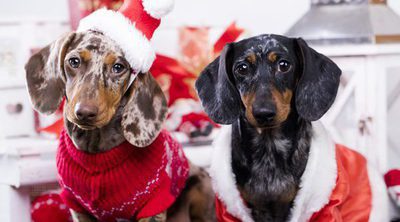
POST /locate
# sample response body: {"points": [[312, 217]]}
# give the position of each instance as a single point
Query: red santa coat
{"points": [[337, 185], [124, 183]]}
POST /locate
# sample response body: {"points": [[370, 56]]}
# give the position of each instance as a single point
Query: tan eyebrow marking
{"points": [[272, 56], [85, 55], [110, 59], [251, 58]]}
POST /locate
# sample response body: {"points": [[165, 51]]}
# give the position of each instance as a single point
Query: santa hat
{"points": [[132, 27]]}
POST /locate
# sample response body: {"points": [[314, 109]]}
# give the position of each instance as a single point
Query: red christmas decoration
{"points": [[177, 77], [392, 180], [50, 207], [81, 8]]}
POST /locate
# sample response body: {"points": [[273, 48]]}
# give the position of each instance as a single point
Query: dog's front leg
{"points": [[162, 217], [78, 217]]}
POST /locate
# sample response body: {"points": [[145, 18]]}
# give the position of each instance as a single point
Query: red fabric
{"points": [[125, 182], [197, 118], [222, 214], [134, 11], [351, 199], [49, 207]]}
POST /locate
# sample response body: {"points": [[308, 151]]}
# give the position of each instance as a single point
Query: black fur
{"points": [[270, 107], [215, 84], [268, 172], [318, 85]]}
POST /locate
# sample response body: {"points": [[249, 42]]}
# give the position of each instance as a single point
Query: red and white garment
{"points": [[337, 185]]}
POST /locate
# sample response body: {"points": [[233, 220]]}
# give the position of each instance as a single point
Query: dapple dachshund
{"points": [[103, 110], [271, 163]]}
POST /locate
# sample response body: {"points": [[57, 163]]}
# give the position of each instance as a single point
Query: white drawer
{"points": [[16, 113]]}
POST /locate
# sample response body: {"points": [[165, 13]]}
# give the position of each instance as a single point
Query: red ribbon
{"points": [[164, 64], [230, 35]]}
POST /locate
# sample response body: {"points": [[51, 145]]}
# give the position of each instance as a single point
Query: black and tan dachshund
{"points": [[269, 88], [271, 162]]}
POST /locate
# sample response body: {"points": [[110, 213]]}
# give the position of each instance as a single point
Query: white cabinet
{"points": [[16, 112], [18, 40], [366, 113]]}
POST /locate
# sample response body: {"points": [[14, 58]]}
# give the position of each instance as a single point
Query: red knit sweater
{"points": [[125, 182]]}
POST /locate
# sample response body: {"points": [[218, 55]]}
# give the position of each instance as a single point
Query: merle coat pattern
{"points": [[102, 109]]}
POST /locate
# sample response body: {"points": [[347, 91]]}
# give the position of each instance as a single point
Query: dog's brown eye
{"points": [[284, 66], [74, 62], [242, 69], [118, 68]]}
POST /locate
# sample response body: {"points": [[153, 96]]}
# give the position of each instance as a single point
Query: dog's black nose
{"points": [[86, 113], [264, 115]]}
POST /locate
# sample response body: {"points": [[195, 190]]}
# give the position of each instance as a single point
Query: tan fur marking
{"points": [[107, 107], [85, 55], [282, 102], [73, 97], [252, 58], [248, 101], [272, 56], [110, 59]]}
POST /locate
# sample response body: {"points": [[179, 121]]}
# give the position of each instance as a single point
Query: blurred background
{"points": [[361, 36]]}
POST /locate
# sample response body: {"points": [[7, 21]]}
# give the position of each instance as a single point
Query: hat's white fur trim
{"points": [[137, 48], [158, 8]]}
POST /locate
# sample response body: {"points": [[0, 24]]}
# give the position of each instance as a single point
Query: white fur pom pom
{"points": [[158, 8]]}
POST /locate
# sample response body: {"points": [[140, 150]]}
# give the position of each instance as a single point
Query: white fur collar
{"points": [[223, 179], [317, 182]]}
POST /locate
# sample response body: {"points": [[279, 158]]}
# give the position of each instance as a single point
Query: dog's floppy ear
{"points": [[318, 83], [45, 75], [145, 111], [216, 91]]}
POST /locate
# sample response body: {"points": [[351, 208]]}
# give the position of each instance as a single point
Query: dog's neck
{"points": [[268, 165], [100, 139]]}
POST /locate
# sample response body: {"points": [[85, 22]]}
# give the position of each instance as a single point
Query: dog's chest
{"points": [[264, 172]]}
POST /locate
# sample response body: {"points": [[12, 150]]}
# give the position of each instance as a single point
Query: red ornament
{"points": [[392, 180], [50, 207]]}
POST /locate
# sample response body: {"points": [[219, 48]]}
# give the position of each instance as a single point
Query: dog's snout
{"points": [[85, 112], [264, 115]]}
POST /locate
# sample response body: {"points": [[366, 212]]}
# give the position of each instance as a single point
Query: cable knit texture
{"points": [[125, 182]]}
